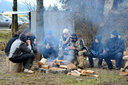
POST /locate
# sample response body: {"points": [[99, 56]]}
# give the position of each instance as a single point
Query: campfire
{"points": [[62, 66]]}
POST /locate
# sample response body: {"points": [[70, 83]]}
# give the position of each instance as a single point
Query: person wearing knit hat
{"points": [[96, 51], [114, 49], [20, 52], [78, 51], [64, 43], [50, 46]]}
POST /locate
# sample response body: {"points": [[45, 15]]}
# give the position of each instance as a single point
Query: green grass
{"points": [[5, 35]]}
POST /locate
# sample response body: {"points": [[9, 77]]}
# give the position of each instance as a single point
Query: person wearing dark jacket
{"points": [[8, 46], [114, 49], [96, 51], [20, 52], [32, 38]]}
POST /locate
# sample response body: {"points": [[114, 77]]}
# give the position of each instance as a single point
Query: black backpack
{"points": [[8, 46]]}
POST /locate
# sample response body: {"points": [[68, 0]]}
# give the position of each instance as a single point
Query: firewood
{"points": [[69, 73], [123, 73], [84, 73], [77, 72], [63, 66], [42, 62], [73, 73], [96, 76], [90, 71], [45, 66]]}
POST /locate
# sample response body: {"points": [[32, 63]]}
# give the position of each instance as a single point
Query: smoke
{"points": [[87, 18]]}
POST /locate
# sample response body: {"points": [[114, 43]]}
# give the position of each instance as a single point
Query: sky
{"points": [[46, 2]]}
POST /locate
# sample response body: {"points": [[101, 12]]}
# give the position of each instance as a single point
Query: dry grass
{"points": [[106, 77]]}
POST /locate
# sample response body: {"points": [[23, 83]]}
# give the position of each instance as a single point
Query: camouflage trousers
{"points": [[79, 59]]}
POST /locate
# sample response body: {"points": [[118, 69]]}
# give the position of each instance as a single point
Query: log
{"points": [[96, 76], [63, 66], [73, 73], [42, 62], [123, 74], [45, 66], [77, 72], [84, 73], [90, 71], [13, 67]]}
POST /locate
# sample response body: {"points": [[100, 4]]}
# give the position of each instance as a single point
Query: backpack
{"points": [[8, 46]]}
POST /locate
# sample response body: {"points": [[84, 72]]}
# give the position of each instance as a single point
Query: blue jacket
{"points": [[96, 48], [114, 45], [34, 45], [53, 42]]}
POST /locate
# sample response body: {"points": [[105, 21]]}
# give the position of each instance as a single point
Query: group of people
{"points": [[21, 49], [72, 48]]}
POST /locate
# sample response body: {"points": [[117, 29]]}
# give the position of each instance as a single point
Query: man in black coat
{"points": [[20, 52], [8, 46], [96, 51], [114, 49]]}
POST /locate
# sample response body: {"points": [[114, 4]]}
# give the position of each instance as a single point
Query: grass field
{"points": [[106, 77]]}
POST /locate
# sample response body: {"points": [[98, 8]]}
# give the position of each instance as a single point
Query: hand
{"points": [[28, 42], [71, 47], [48, 46]]}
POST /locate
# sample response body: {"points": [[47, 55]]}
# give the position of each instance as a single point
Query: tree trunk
{"points": [[40, 24], [40, 20], [14, 19]]}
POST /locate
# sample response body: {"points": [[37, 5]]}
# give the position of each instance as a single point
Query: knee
{"points": [[119, 55], [32, 56]]}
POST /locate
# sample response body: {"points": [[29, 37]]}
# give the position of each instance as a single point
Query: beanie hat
{"points": [[115, 33], [23, 37]]}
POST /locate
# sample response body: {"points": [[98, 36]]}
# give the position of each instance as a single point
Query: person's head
{"points": [[73, 38], [27, 32], [23, 37], [49, 34], [114, 34], [19, 32], [65, 32], [98, 38]]}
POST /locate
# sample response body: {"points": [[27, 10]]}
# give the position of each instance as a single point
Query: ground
{"points": [[106, 77]]}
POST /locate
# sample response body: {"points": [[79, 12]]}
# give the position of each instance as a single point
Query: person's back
{"points": [[8, 46], [20, 52], [15, 45]]}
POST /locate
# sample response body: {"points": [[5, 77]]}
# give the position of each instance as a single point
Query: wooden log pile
{"points": [[58, 66]]}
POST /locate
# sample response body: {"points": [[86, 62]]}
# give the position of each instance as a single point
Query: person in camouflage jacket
{"points": [[78, 51]]}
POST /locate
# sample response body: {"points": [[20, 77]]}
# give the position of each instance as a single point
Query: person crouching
{"points": [[96, 51], [20, 52], [78, 51]]}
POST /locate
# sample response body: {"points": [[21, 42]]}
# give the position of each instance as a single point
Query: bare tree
{"points": [[40, 19], [14, 18], [31, 5]]}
